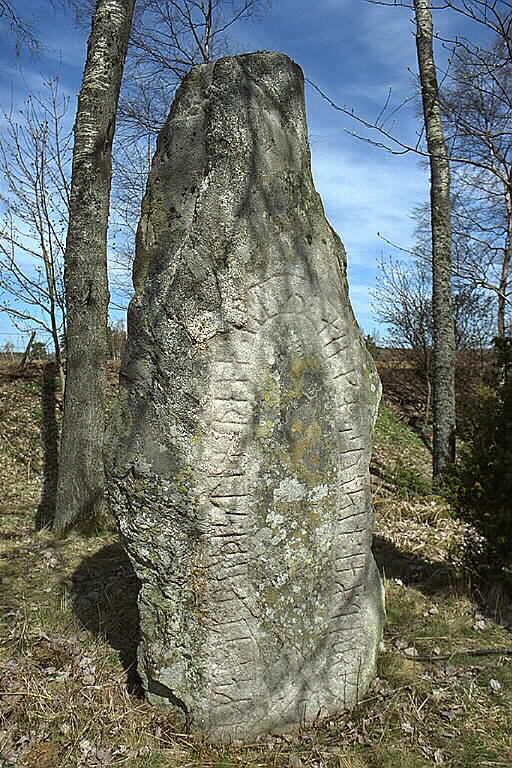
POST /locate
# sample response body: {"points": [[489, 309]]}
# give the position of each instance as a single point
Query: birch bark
{"points": [[440, 205], [503, 299], [80, 488]]}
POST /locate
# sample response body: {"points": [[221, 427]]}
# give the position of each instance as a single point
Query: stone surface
{"points": [[241, 479]]}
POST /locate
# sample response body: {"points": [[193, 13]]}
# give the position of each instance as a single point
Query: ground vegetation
{"points": [[69, 693]]}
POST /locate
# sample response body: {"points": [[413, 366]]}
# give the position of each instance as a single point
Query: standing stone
{"points": [[241, 480]]}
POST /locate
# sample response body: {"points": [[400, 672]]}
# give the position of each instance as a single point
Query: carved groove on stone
{"points": [[250, 401]]}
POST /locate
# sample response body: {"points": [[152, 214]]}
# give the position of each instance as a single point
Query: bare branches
{"points": [[395, 145], [392, 143], [402, 301], [168, 38], [493, 14], [20, 27], [477, 107], [34, 162], [475, 97], [496, 15]]}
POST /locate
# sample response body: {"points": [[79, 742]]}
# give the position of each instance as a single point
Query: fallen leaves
{"points": [[43, 754]]}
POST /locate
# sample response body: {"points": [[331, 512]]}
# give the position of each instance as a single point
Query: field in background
{"points": [[69, 693]]}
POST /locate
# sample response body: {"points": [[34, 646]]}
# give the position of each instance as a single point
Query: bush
{"points": [[482, 480]]}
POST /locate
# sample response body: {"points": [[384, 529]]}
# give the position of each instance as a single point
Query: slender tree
{"points": [[80, 489], [440, 208], [477, 107], [494, 15], [35, 155]]}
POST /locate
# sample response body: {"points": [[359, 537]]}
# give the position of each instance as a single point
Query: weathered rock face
{"points": [[241, 480]]}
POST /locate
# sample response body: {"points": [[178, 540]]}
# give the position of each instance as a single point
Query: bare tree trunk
{"points": [[49, 266], [80, 489], [505, 266], [26, 354], [502, 287], [440, 204], [428, 373], [427, 404], [207, 32]]}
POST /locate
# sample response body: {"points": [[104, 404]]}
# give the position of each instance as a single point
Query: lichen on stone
{"points": [[240, 473]]}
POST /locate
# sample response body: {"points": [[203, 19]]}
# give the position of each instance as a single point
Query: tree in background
{"points": [[477, 110], [116, 340], [39, 351], [35, 158], [131, 164], [80, 488], [403, 301], [8, 350], [440, 208]]}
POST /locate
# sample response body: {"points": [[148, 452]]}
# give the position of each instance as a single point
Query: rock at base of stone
{"points": [[240, 478]]}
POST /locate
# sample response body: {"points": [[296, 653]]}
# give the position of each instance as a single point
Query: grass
{"points": [[69, 695], [401, 459]]}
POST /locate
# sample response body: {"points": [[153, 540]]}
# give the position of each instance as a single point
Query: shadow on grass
{"points": [[50, 438], [414, 571], [105, 590]]}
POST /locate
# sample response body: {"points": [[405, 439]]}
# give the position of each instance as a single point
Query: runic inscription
{"points": [[240, 479]]}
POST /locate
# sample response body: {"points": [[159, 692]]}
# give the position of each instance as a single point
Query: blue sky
{"points": [[356, 52]]}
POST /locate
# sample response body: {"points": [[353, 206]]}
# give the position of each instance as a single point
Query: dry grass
{"points": [[69, 696]]}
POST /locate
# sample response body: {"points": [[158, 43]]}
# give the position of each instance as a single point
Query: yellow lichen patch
{"points": [[272, 394], [263, 430], [296, 372], [302, 453], [311, 434], [181, 479], [297, 368]]}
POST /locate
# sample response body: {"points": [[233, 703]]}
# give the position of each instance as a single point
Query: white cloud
{"points": [[363, 198]]}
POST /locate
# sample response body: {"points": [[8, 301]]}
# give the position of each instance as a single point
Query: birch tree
{"points": [[440, 209], [80, 488]]}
